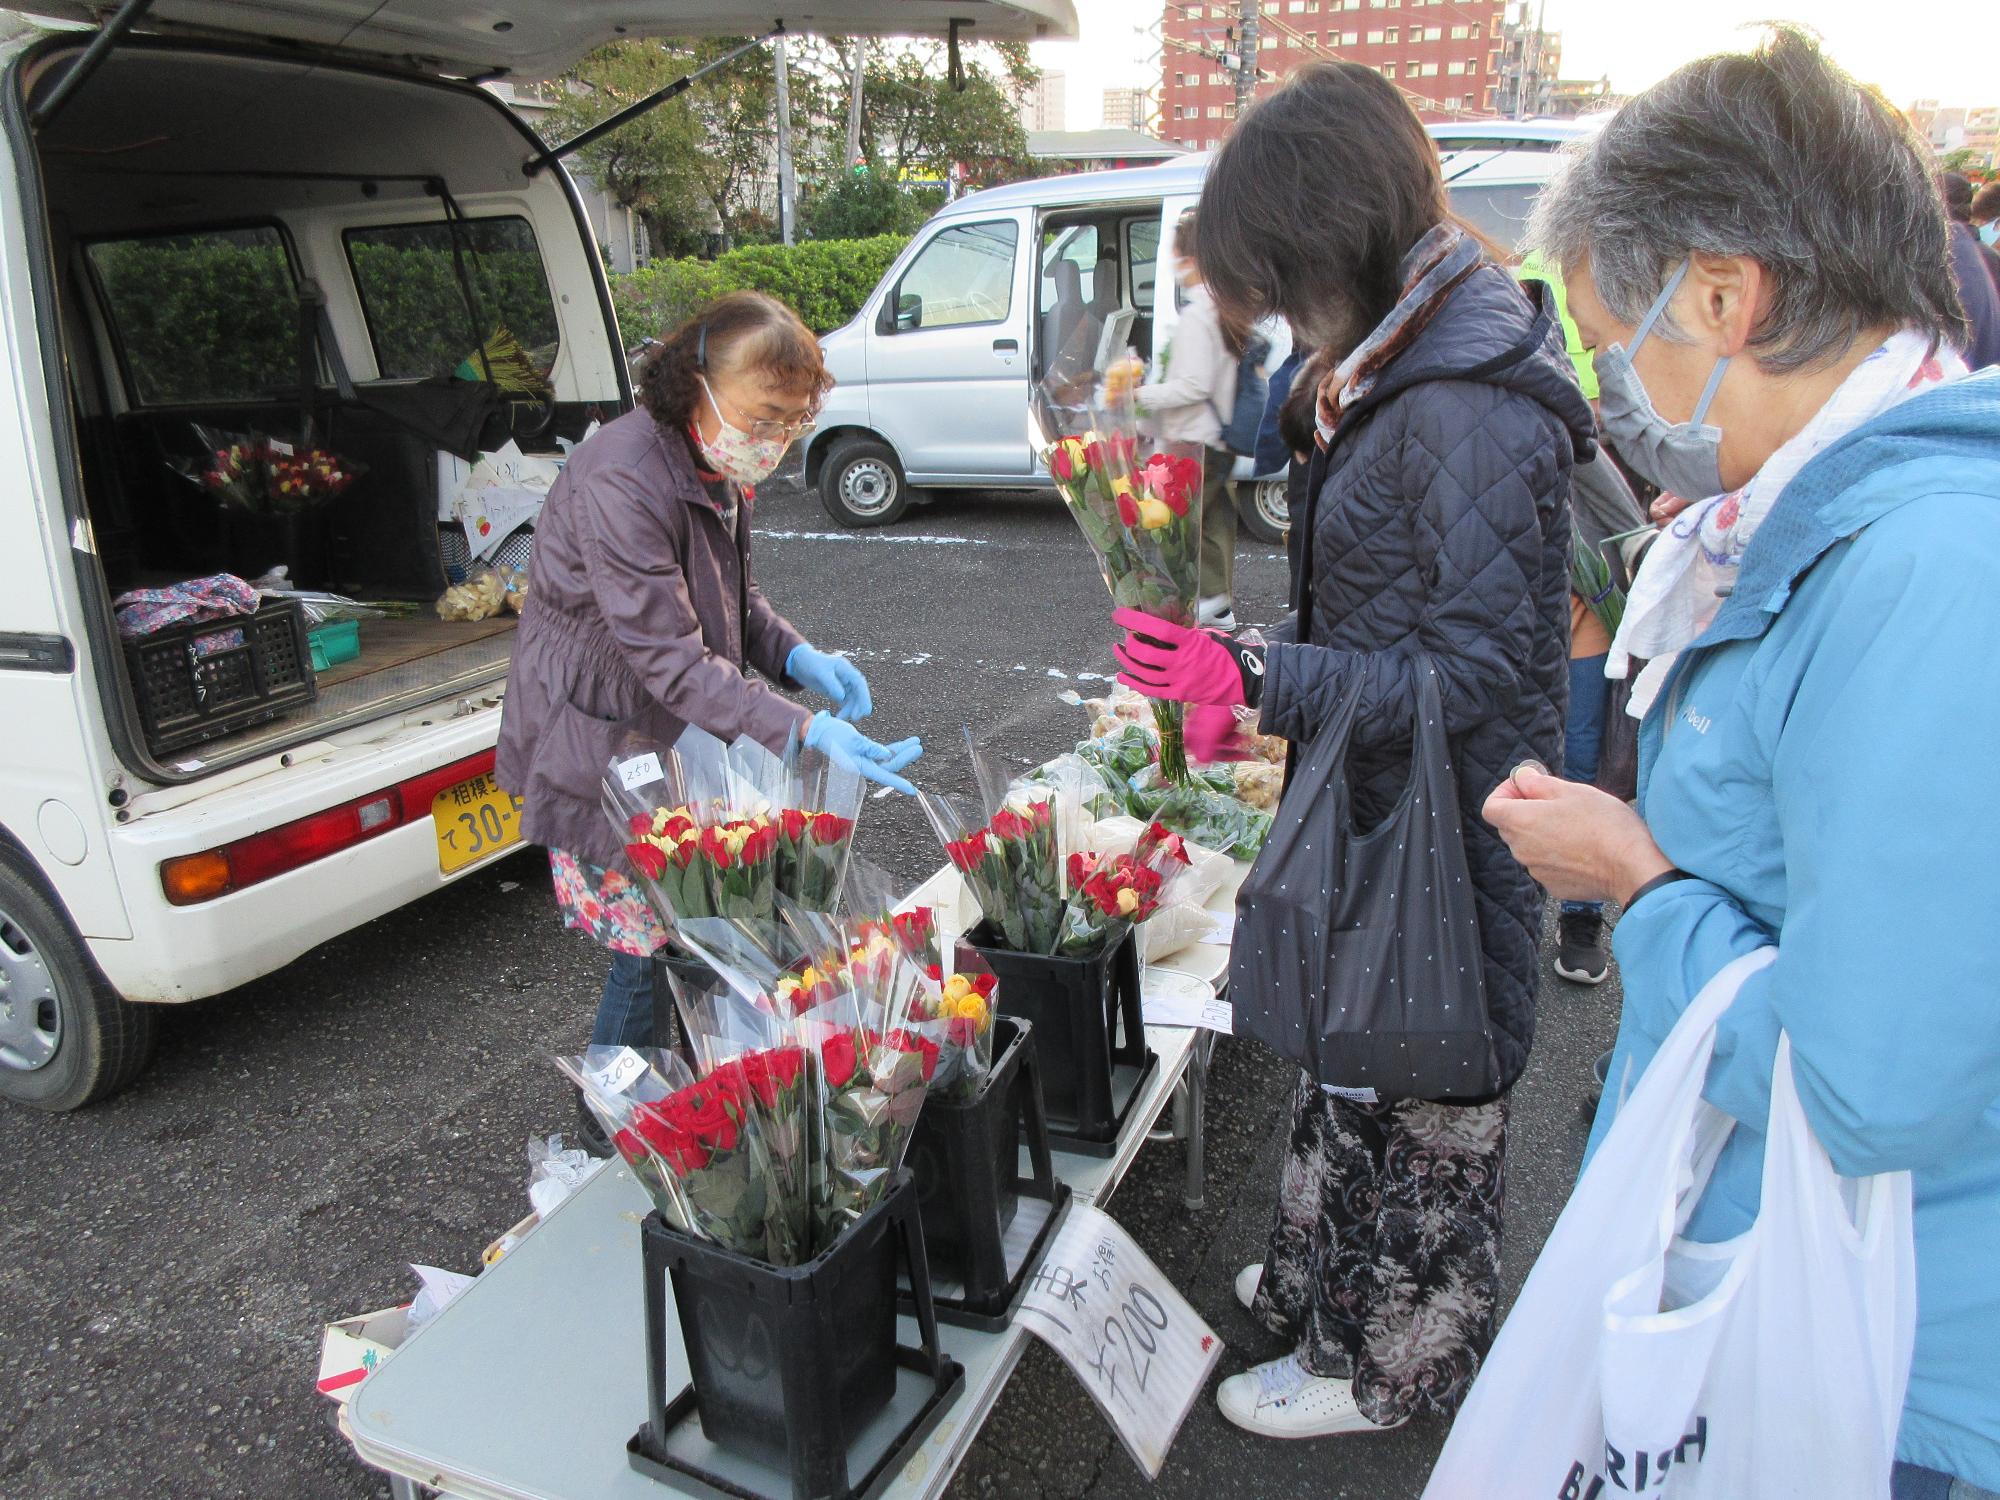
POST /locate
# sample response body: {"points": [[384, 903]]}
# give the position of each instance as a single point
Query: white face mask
{"points": [[734, 453]]}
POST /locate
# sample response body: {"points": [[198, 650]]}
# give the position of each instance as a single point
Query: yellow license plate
{"points": [[474, 819]]}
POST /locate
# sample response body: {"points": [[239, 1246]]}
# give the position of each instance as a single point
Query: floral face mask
{"points": [[746, 457]]}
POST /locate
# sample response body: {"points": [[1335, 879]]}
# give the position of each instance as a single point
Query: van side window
{"points": [[1500, 212], [207, 316], [416, 309], [965, 275], [1142, 254]]}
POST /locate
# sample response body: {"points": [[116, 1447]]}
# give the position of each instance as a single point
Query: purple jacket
{"points": [[641, 619]]}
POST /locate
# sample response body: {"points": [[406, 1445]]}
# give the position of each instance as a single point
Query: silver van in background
{"points": [[935, 370]]}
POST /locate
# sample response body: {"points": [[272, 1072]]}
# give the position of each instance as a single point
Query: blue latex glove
{"points": [[834, 678], [844, 745]]}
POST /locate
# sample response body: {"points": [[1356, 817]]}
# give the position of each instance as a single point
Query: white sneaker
{"points": [[1247, 1281], [1282, 1400], [1216, 613]]}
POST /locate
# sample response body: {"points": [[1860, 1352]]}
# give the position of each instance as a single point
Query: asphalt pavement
{"points": [[167, 1259]]}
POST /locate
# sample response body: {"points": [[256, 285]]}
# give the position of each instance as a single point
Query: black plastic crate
{"points": [[674, 971], [966, 1159], [203, 680], [1090, 1033], [791, 1365]]}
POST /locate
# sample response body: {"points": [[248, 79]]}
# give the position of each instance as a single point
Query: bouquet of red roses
{"points": [[848, 1001], [1112, 893], [1012, 863], [308, 477], [722, 1154], [716, 830], [1138, 503]]}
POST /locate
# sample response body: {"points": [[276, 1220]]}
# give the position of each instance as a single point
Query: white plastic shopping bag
{"points": [[1638, 1363]]}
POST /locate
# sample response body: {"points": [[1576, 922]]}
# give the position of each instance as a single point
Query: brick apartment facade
{"points": [[1445, 54]]}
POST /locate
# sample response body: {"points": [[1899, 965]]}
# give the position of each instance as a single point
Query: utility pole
{"points": [[788, 187], [854, 103], [1246, 60]]}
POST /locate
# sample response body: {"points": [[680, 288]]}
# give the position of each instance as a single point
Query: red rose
{"points": [[649, 859], [916, 1046], [836, 1056], [1094, 453], [786, 1064], [794, 820], [715, 849], [1128, 510], [1081, 867], [983, 985], [913, 926], [761, 845], [961, 1032], [969, 852], [652, 1131], [1124, 447], [829, 829], [1009, 825], [640, 826], [677, 827], [707, 1110], [934, 973], [683, 854]]}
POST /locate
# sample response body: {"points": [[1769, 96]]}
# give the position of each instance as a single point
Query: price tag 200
{"points": [[1140, 1350], [620, 1073]]}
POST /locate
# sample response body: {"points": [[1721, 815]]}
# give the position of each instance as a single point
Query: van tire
{"points": [[1261, 506], [100, 1042], [861, 483]]}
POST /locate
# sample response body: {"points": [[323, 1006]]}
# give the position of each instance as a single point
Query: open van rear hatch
{"points": [[540, 38]]}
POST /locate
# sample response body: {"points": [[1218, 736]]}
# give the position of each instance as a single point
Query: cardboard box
{"points": [[350, 1350]]}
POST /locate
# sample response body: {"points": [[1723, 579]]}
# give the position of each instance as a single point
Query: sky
{"points": [[1949, 50]]}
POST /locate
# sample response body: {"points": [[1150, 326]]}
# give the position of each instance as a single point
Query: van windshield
{"points": [[206, 316]]}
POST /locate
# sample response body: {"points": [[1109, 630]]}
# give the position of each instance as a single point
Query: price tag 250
{"points": [[1140, 1350]]}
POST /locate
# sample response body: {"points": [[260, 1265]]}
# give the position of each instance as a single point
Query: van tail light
{"points": [[190, 879]]}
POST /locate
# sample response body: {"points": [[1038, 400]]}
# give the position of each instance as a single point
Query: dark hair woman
{"points": [[1435, 541], [644, 617]]}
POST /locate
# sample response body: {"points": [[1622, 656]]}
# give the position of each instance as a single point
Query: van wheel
{"points": [[66, 1040], [1264, 510], [862, 484]]}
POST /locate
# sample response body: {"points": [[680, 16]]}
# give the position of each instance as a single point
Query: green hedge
{"points": [[825, 281]]}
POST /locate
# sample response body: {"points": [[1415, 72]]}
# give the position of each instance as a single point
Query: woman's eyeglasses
{"points": [[763, 429]]}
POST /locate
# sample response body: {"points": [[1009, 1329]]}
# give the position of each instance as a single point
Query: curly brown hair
{"points": [[739, 332]]}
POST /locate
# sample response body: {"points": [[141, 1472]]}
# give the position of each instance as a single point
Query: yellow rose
{"points": [[1153, 514], [971, 1006], [957, 988], [1121, 485], [1128, 902]]}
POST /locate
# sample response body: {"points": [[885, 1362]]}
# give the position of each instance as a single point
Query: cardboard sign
{"points": [[1139, 1349]]}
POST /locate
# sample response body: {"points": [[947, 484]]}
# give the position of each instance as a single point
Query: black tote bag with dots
{"points": [[1357, 954]]}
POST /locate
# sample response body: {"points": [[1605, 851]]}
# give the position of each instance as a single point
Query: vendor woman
{"points": [[644, 618]]}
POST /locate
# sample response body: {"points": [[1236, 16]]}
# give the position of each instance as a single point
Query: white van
{"points": [[934, 372], [263, 214]]}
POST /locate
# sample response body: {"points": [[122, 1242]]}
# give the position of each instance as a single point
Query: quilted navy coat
{"points": [[1437, 531]]}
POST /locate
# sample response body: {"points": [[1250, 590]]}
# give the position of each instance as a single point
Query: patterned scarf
{"points": [[1433, 267], [1679, 586]]}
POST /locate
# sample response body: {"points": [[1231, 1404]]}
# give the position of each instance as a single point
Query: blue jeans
{"points": [[1912, 1483], [1589, 698], [625, 1014]]}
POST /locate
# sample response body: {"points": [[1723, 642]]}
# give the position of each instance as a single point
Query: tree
{"points": [[686, 167], [916, 124]]}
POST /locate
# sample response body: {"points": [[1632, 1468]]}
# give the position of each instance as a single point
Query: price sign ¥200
{"points": [[1140, 1350]]}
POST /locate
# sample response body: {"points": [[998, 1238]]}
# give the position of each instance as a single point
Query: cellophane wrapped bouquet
{"points": [[1020, 849], [720, 1150], [849, 1007], [1137, 501], [955, 1011], [715, 830]]}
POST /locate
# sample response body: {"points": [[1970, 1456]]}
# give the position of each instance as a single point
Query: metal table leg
{"points": [[1193, 1194]]}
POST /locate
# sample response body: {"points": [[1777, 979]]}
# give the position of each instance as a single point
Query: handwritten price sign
{"points": [[1139, 1349]]}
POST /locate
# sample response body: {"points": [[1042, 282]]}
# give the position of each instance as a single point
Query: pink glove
{"points": [[1163, 660], [1213, 734]]}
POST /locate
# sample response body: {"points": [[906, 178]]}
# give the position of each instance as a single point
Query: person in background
{"points": [[1818, 769], [1581, 954], [1276, 449], [645, 619], [1986, 213], [1978, 287], [1186, 398], [1437, 542]]}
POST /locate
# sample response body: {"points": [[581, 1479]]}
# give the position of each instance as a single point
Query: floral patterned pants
{"points": [[1384, 1258]]}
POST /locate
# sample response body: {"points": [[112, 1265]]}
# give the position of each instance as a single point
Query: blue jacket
{"points": [[1822, 760]]}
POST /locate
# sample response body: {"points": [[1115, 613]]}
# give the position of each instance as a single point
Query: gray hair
{"points": [[1776, 155]]}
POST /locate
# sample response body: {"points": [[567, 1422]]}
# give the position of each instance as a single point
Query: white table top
{"points": [[529, 1384]]}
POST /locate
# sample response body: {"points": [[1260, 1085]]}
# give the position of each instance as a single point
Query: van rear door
{"points": [[539, 41]]}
